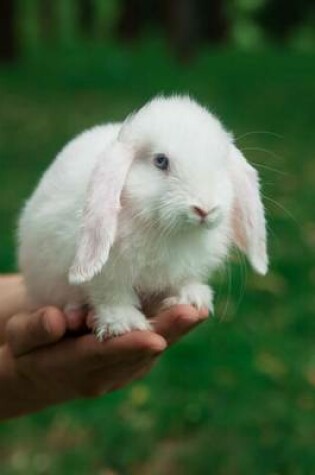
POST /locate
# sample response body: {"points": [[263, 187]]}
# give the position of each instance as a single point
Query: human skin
{"points": [[47, 357]]}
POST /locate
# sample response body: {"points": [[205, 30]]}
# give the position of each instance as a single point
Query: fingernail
{"points": [[194, 321], [202, 318], [73, 317], [204, 313]]}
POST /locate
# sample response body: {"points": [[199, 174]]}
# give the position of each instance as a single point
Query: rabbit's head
{"points": [[173, 165]]}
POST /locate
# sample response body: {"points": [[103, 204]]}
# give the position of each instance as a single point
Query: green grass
{"points": [[236, 396]]}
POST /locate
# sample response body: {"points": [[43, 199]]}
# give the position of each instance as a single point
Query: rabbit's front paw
{"points": [[195, 294], [117, 320]]}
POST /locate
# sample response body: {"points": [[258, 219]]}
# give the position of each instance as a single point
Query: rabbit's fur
{"points": [[106, 226]]}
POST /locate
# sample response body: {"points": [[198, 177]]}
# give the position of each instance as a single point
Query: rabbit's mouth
{"points": [[214, 220], [203, 218], [213, 223]]}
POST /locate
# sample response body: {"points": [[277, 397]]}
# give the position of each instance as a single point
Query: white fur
{"points": [[105, 226]]}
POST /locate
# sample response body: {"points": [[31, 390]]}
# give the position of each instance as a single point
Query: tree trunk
{"points": [[8, 42], [131, 20], [182, 24], [86, 17], [215, 25], [47, 15]]}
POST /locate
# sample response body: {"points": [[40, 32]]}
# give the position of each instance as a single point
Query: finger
{"points": [[114, 362], [137, 373], [27, 331], [120, 376], [133, 346], [76, 317], [177, 321]]}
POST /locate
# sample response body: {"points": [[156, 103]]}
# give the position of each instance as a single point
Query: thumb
{"points": [[27, 331]]}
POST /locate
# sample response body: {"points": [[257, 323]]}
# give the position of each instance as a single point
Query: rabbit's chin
{"points": [[205, 224], [186, 224], [200, 226]]}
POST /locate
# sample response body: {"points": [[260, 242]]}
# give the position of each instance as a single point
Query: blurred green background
{"points": [[237, 396]]}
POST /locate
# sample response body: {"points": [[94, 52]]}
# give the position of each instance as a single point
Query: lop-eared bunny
{"points": [[146, 208]]}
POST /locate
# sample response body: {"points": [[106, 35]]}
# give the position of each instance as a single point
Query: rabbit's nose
{"points": [[201, 212]]}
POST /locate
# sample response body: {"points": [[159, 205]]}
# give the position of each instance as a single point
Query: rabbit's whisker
{"points": [[259, 132]]}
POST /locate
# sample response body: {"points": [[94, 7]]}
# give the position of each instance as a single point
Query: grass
{"points": [[236, 396]]}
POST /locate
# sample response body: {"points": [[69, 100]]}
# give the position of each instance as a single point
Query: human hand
{"points": [[40, 365]]}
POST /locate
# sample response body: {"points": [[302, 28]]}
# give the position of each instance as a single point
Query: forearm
{"points": [[13, 299]]}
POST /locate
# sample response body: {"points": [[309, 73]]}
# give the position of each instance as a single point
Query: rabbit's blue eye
{"points": [[161, 161]]}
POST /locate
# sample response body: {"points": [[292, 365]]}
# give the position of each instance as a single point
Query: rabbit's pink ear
{"points": [[248, 220], [99, 220]]}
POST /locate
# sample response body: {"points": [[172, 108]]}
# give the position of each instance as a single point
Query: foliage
{"points": [[251, 24]]}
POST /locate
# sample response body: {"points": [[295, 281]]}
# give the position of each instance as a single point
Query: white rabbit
{"points": [[147, 207]]}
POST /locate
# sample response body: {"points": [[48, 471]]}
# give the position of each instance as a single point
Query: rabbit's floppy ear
{"points": [[99, 220], [248, 220]]}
